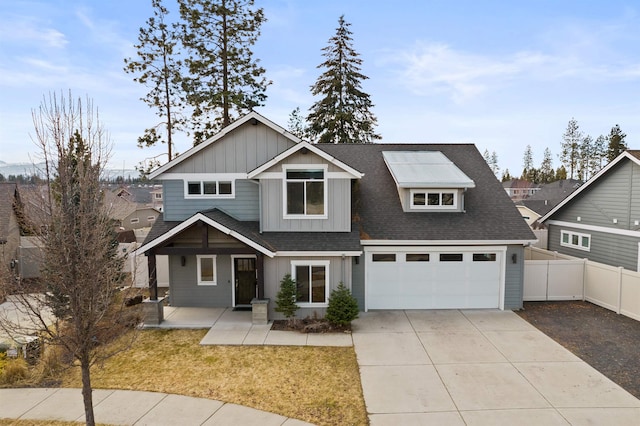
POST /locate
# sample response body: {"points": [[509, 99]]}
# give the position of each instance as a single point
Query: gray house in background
{"points": [[600, 221], [404, 226]]}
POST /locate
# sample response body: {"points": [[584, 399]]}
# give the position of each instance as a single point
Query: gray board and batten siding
{"points": [[186, 292], [615, 195], [240, 151], [338, 199]]}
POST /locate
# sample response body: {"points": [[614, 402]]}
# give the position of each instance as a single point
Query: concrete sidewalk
{"points": [[121, 407], [478, 367]]}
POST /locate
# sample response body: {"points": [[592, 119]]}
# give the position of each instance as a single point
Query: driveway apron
{"points": [[478, 367]]}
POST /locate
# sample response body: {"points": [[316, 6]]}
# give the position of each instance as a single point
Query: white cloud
{"points": [[23, 30]]}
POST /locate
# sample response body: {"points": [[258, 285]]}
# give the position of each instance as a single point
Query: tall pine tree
{"points": [[570, 154], [617, 145], [224, 76], [343, 115], [159, 68]]}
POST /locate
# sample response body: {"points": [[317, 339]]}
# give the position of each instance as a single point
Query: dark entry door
{"points": [[245, 275]]}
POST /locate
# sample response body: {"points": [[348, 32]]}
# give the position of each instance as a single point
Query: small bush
{"points": [[343, 307], [14, 371], [286, 298]]}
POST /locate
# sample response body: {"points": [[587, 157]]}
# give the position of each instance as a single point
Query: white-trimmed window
{"points": [[207, 270], [209, 188], [434, 199], [151, 218], [305, 191], [158, 195], [135, 220], [312, 281], [575, 240]]}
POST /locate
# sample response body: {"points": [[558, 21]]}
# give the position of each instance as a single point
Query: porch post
{"points": [[153, 278], [260, 274]]}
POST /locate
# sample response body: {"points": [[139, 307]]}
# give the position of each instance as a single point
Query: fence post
{"points": [[619, 307], [584, 278]]}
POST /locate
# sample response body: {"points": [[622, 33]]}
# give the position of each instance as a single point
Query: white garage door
{"points": [[434, 279]]}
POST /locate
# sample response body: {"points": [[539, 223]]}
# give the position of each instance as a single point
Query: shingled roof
{"points": [[490, 214], [272, 241]]}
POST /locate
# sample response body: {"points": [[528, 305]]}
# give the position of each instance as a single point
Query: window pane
{"points": [[384, 257], [585, 241], [193, 188], [209, 187], [484, 257], [295, 197], [565, 238], [315, 197], [419, 199], [318, 284], [305, 174], [206, 269], [433, 199], [302, 282], [451, 257], [417, 257], [574, 240], [447, 199], [224, 187]]}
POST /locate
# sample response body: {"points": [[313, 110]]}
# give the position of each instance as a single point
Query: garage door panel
{"points": [[433, 284]]}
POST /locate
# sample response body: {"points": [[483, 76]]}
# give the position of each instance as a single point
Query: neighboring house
{"points": [[545, 199], [519, 189], [404, 226], [157, 198], [600, 221], [129, 215]]}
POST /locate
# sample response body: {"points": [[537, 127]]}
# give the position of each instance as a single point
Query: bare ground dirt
{"points": [[607, 341]]}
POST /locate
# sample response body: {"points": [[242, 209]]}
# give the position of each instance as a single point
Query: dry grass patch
{"points": [[317, 384]]}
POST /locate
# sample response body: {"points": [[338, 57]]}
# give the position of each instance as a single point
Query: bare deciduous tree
{"points": [[81, 309]]}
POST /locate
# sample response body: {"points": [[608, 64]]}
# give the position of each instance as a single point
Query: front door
{"points": [[244, 269]]}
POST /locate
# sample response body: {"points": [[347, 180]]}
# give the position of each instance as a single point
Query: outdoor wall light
{"points": [[514, 258], [183, 260]]}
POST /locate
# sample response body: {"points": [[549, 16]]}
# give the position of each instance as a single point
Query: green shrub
{"points": [[286, 298], [343, 307]]}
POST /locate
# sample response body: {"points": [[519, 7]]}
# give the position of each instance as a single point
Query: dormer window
{"points": [[305, 194], [433, 199]]}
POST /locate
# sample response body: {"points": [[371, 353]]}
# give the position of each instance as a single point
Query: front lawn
{"points": [[320, 385]]}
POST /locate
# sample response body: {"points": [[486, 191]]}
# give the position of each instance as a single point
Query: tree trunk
{"points": [[87, 396]]}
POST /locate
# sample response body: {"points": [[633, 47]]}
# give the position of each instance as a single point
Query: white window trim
{"points": [[327, 276], [574, 246], [151, 218], [215, 269], [325, 169], [215, 179], [135, 220], [426, 193]]}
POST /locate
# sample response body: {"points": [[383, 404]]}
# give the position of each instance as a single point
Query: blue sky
{"points": [[500, 74]]}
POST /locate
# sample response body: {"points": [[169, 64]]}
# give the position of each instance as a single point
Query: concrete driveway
{"points": [[478, 367]]}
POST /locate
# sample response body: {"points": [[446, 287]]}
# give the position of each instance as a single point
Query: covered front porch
{"points": [[229, 327]]}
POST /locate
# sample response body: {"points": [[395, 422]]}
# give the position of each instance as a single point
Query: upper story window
{"points": [[209, 189], [575, 240], [305, 193], [158, 195], [433, 199]]}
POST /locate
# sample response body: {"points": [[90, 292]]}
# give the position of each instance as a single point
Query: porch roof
{"points": [[272, 243]]}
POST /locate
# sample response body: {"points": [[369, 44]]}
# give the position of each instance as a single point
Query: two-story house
{"points": [[404, 226]]}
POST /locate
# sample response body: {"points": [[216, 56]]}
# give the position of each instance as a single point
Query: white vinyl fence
{"points": [[552, 276]]}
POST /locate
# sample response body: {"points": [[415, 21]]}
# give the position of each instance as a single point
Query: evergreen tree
{"points": [[586, 153], [286, 298], [224, 76], [599, 154], [546, 173], [296, 124], [561, 173], [343, 307], [570, 154], [494, 164], [617, 145], [506, 176], [159, 68], [343, 115]]}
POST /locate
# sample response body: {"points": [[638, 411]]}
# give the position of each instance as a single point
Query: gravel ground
{"points": [[605, 340]]}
